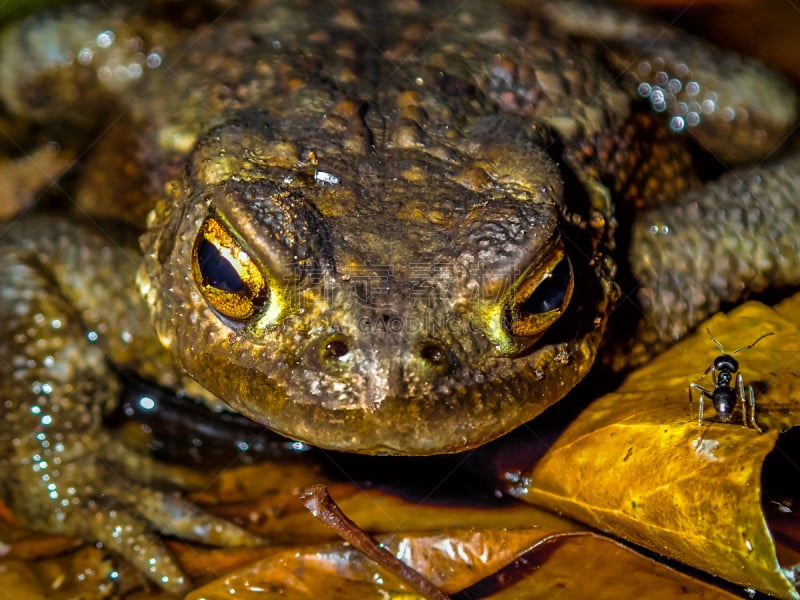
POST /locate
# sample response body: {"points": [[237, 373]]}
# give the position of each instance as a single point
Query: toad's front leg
{"points": [[60, 470]]}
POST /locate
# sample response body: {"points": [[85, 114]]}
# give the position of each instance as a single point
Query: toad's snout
{"points": [[402, 352]]}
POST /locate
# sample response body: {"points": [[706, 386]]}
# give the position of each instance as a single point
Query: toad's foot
{"points": [[87, 495]]}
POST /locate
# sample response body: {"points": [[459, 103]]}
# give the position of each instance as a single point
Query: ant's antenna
{"points": [[715, 340], [758, 339], [722, 349]]}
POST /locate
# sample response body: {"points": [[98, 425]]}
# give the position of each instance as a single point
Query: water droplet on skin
{"points": [[85, 56], [658, 100], [677, 124], [153, 60], [105, 38], [728, 113]]}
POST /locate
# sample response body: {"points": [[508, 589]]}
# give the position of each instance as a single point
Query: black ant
{"points": [[725, 395]]}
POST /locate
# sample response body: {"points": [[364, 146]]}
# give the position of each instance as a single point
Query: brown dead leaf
{"points": [[82, 573], [19, 543], [377, 512], [204, 564], [265, 479], [528, 563], [636, 463]]}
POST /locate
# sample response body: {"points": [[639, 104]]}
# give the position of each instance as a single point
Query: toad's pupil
{"points": [[551, 293], [216, 270]]}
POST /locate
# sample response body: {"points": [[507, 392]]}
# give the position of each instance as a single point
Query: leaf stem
{"points": [[319, 502]]}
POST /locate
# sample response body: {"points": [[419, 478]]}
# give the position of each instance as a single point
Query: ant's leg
{"points": [[700, 411], [740, 387], [703, 392], [752, 402], [753, 410]]}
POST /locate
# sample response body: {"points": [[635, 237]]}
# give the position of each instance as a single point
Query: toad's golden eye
{"points": [[542, 296], [230, 280]]}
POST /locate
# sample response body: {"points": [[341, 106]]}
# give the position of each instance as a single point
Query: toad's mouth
{"points": [[391, 404]]}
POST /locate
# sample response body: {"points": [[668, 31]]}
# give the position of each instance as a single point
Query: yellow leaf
{"points": [[636, 463]]}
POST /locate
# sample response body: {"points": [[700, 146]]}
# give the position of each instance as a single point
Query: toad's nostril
{"points": [[435, 355], [335, 349]]}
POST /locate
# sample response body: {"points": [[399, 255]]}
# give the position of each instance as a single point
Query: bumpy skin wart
{"points": [[381, 228]]}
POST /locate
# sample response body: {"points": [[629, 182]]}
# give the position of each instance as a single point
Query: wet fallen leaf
{"points": [[374, 510], [206, 564], [378, 512], [249, 482], [19, 543], [637, 464], [82, 573], [529, 563]]}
